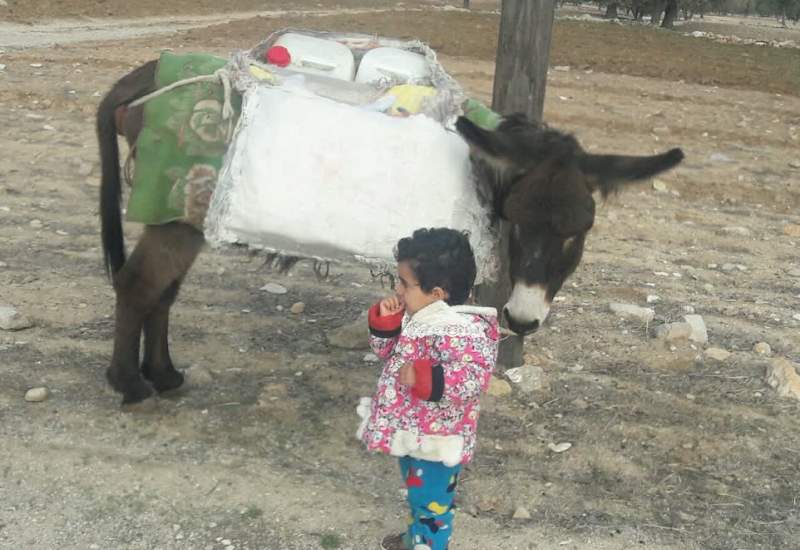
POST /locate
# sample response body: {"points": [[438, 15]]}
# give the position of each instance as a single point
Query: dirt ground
{"points": [[670, 448]]}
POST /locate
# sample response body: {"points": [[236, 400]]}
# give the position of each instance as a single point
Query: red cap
{"points": [[278, 55]]}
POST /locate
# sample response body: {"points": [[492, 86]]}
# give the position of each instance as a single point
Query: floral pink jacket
{"points": [[453, 350]]}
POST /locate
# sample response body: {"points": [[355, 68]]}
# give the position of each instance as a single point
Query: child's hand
{"points": [[407, 374], [391, 306]]}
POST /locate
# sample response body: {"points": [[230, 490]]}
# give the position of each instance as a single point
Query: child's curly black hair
{"points": [[440, 257]]}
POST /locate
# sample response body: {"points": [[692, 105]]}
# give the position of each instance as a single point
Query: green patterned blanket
{"points": [[180, 150]]}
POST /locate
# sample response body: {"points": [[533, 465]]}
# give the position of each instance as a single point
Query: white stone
{"points": [[36, 395], [274, 288], [660, 186], [699, 331], [559, 447], [371, 358], [652, 298], [298, 308], [718, 354], [762, 348], [85, 169], [719, 157], [11, 319], [198, 376], [736, 230], [630, 311], [527, 377], [521, 513]]}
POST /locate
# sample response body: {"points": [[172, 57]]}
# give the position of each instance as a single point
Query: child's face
{"points": [[411, 294]]}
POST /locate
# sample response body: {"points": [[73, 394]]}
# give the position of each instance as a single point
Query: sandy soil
{"points": [[671, 449]]}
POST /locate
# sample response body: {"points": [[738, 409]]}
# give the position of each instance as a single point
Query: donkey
{"points": [[543, 186], [544, 190]]}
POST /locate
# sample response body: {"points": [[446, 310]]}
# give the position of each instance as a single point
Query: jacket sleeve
{"points": [[384, 331], [455, 372]]}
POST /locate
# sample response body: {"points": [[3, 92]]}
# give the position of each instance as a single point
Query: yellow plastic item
{"points": [[261, 74], [409, 98]]}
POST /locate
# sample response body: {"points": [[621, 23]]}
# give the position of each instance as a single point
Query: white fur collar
{"points": [[440, 319]]}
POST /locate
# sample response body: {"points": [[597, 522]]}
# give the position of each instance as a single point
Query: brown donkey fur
{"points": [[147, 283]]}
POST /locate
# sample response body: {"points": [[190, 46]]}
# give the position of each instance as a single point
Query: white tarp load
{"points": [[317, 169]]}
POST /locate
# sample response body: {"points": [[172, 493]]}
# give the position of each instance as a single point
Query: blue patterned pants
{"points": [[431, 490]]}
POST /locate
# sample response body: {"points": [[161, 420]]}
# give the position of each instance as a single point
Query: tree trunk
{"points": [[670, 15], [611, 11], [523, 51], [658, 9]]}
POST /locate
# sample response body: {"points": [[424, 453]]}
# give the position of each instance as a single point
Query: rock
{"points": [[354, 335], [795, 164], [728, 267], [10, 319], [521, 513], [652, 298], [629, 311], [562, 68], [796, 316], [36, 395], [699, 332], [660, 186], [297, 308], [198, 376], [688, 309], [498, 387], [762, 348], [717, 354], [736, 230], [782, 377], [370, 358], [85, 169], [673, 331], [274, 288], [580, 404], [719, 157], [36, 224], [2, 65], [527, 377], [559, 447], [791, 230]]}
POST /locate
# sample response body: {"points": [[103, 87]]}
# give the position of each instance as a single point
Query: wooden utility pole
{"points": [[523, 51]]}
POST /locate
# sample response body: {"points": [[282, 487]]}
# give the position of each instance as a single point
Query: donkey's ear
{"points": [[605, 173], [494, 147]]}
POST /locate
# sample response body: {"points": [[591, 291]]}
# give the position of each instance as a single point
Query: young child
{"points": [[439, 356]]}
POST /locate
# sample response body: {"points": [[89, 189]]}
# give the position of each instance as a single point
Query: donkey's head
{"points": [[544, 189]]}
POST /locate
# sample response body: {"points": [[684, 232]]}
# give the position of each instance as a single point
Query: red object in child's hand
{"points": [[278, 55]]}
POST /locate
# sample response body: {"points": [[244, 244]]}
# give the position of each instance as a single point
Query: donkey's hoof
{"points": [[164, 380], [144, 406]]}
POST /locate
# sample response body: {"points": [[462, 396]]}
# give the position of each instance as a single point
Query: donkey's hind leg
{"points": [[157, 265], [157, 366]]}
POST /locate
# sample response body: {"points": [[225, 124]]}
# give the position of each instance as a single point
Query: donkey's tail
{"points": [[133, 85], [611, 170]]}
